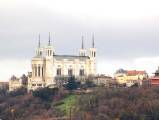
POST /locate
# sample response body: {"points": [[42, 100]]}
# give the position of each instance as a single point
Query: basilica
{"points": [[51, 69]]}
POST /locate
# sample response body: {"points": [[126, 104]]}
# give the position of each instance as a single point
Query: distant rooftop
{"points": [[135, 72], [70, 57], [130, 72]]}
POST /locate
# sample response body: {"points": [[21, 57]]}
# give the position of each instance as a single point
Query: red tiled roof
{"points": [[134, 72]]}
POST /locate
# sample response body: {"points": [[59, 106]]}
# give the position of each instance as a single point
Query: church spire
{"points": [[39, 44], [39, 50], [93, 44], [49, 42], [82, 42]]}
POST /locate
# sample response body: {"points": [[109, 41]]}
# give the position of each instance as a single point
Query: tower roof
{"points": [[82, 42], [49, 42], [39, 44], [93, 44]]}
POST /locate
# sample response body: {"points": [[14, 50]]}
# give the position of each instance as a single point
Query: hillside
{"points": [[101, 104]]}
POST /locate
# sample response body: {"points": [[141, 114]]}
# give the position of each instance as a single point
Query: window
{"points": [[39, 84], [59, 71], [50, 52], [40, 53], [42, 71], [35, 71], [70, 72], [33, 84], [39, 71], [81, 73]]}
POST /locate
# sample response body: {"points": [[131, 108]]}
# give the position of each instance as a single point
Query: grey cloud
{"points": [[114, 39]]}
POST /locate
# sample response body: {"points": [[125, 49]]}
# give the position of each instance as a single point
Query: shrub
{"points": [[20, 91], [72, 84], [45, 94]]}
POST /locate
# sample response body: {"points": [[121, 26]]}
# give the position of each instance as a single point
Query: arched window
{"points": [[50, 52], [39, 71], [42, 69], [58, 71], [81, 72], [35, 71], [70, 72], [40, 52]]}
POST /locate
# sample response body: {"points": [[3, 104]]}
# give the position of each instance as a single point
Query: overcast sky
{"points": [[126, 32]]}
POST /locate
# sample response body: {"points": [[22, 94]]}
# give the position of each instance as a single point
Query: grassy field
{"points": [[65, 104]]}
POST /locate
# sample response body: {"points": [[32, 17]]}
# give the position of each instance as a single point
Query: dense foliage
{"points": [[72, 83], [45, 94], [100, 104], [20, 91], [21, 105], [122, 104]]}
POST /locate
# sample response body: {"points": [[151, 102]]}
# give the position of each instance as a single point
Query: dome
{"points": [[121, 71]]}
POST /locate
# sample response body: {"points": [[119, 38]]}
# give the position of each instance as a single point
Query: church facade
{"points": [[51, 69]]}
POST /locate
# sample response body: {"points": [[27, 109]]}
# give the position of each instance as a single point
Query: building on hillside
{"points": [[130, 76], [16, 83], [155, 79], [51, 69], [120, 76], [103, 80], [4, 85], [146, 83], [130, 83]]}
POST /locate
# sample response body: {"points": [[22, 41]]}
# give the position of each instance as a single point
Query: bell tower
{"points": [[49, 73], [39, 50], [92, 55], [38, 67], [49, 49]]}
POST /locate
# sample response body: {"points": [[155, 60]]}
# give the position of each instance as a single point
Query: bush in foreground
{"points": [[45, 94]]}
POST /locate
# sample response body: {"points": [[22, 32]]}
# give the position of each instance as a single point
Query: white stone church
{"points": [[51, 69]]}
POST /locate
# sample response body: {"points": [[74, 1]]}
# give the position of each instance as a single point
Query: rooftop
{"points": [[70, 57], [130, 72], [134, 72]]}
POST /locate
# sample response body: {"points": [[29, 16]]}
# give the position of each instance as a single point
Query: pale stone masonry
{"points": [[50, 69], [47, 65]]}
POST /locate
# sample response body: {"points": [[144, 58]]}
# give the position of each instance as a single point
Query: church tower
{"points": [[92, 55], [39, 50], [49, 51], [38, 66], [48, 66], [82, 51]]}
